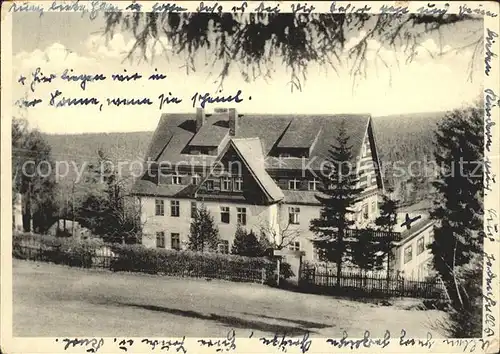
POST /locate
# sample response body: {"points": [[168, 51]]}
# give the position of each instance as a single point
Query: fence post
{"points": [[263, 275]]}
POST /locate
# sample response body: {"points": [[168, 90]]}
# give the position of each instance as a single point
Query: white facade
{"points": [[412, 258], [273, 219]]}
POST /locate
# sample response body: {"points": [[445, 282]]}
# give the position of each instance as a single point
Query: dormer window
{"points": [[226, 184], [284, 155], [293, 184], [238, 184], [195, 179], [313, 185], [176, 179]]}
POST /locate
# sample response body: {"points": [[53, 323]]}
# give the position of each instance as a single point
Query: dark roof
{"points": [[150, 188], [176, 131], [212, 132]]}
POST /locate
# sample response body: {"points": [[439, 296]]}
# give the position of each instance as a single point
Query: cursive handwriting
{"points": [[57, 101], [26, 7], [489, 177], [39, 77], [207, 98], [403, 341], [491, 226], [431, 9], [227, 344], [166, 344], [93, 343], [303, 8], [348, 9], [466, 342], [366, 341], [67, 75], [466, 10], [161, 7], [263, 8], [209, 8], [488, 302], [490, 35], [490, 101], [282, 342]]}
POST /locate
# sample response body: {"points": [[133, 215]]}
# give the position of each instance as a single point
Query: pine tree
{"points": [[204, 234], [339, 193], [246, 243], [459, 204], [364, 250], [387, 222]]}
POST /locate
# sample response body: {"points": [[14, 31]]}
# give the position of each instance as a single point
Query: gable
{"points": [[368, 163], [239, 162]]}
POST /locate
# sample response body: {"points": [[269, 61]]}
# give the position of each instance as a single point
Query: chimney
{"points": [[200, 118], [233, 122]]}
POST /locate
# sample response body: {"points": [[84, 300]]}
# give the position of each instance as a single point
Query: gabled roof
{"points": [[175, 134], [249, 150], [176, 131]]}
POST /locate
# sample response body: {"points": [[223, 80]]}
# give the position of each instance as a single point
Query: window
{"points": [[195, 179], [420, 245], [365, 211], [241, 215], [223, 246], [224, 215], [176, 179], [294, 246], [159, 207], [313, 185], [293, 215], [374, 207], [210, 185], [431, 239], [293, 184], [194, 209], [160, 239], [284, 155], [175, 240], [238, 184], [408, 254], [226, 183], [174, 208], [368, 180]]}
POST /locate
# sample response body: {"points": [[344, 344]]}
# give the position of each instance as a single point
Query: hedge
{"points": [[138, 258], [68, 251]]}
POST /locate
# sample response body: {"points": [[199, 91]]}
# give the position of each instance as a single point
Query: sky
{"points": [[436, 80]]}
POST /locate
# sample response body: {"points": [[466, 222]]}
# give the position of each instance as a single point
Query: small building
{"points": [[412, 256], [65, 227]]}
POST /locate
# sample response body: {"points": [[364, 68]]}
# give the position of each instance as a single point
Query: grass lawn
{"points": [[53, 300]]}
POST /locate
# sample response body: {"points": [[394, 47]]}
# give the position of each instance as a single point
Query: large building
{"points": [[261, 171]]}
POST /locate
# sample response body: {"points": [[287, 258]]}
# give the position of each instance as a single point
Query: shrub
{"points": [[137, 258], [68, 251]]}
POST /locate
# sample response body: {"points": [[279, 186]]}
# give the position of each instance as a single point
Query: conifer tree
{"points": [[204, 234], [387, 222], [458, 207], [339, 193], [246, 243]]}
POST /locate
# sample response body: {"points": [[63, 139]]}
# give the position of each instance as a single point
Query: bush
{"points": [[68, 251], [137, 258]]}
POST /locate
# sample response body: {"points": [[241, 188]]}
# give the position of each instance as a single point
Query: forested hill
{"points": [[406, 137]]}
